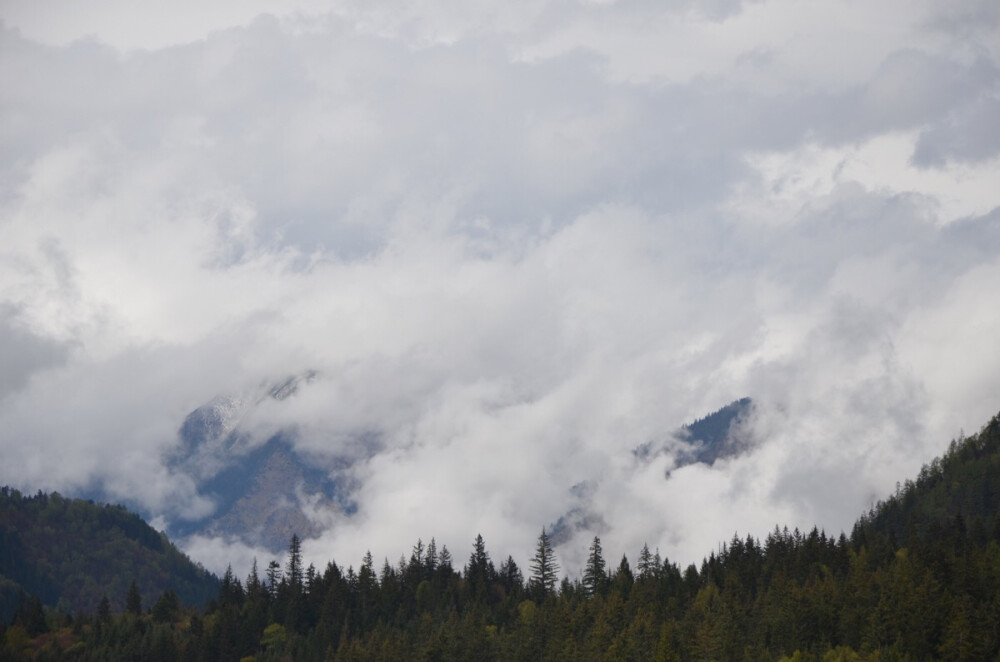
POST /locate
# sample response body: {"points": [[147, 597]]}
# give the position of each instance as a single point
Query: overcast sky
{"points": [[515, 240]]}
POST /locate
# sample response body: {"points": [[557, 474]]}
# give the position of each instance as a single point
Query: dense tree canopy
{"points": [[73, 553]]}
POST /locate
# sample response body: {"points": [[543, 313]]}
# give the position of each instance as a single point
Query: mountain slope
{"points": [[70, 553], [718, 435], [964, 483]]}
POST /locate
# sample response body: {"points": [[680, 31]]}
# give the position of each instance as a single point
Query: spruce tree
{"points": [[480, 571], [273, 578], [510, 576], [544, 567], [594, 576]]}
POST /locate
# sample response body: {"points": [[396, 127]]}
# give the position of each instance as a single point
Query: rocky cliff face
{"points": [[264, 490]]}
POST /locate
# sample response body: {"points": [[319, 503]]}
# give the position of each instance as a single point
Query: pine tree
{"points": [[544, 567], [594, 577]]}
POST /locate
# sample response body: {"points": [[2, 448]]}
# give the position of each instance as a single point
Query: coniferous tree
{"points": [[594, 576], [431, 559], [274, 578], [479, 571], [230, 591], [417, 555], [544, 567], [510, 576], [646, 566], [444, 563], [294, 567], [623, 578], [256, 591], [367, 583], [166, 608]]}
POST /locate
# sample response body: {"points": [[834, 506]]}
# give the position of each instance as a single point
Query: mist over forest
{"points": [[369, 272]]}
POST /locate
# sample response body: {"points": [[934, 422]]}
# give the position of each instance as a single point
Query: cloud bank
{"points": [[515, 241]]}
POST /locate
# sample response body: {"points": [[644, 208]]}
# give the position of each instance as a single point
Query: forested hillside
{"points": [[962, 486], [918, 579], [72, 553]]}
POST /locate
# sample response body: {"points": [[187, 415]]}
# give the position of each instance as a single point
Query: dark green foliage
{"points": [[70, 553], [480, 572], [30, 615], [964, 482], [133, 601], [167, 608]]}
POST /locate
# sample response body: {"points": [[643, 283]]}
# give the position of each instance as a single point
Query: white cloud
{"points": [[514, 241], [792, 181]]}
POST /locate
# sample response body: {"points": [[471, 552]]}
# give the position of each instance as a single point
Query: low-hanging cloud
{"points": [[510, 245]]}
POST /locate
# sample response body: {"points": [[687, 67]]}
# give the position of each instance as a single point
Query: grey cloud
{"points": [[966, 18], [968, 134], [506, 271], [910, 89], [23, 353]]}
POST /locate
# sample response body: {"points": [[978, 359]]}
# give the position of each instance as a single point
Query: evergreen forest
{"points": [[917, 578]]}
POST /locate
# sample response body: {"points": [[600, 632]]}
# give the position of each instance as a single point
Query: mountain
{"points": [[793, 597], [264, 490], [960, 488], [264, 496], [71, 553], [721, 434], [241, 452]]}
